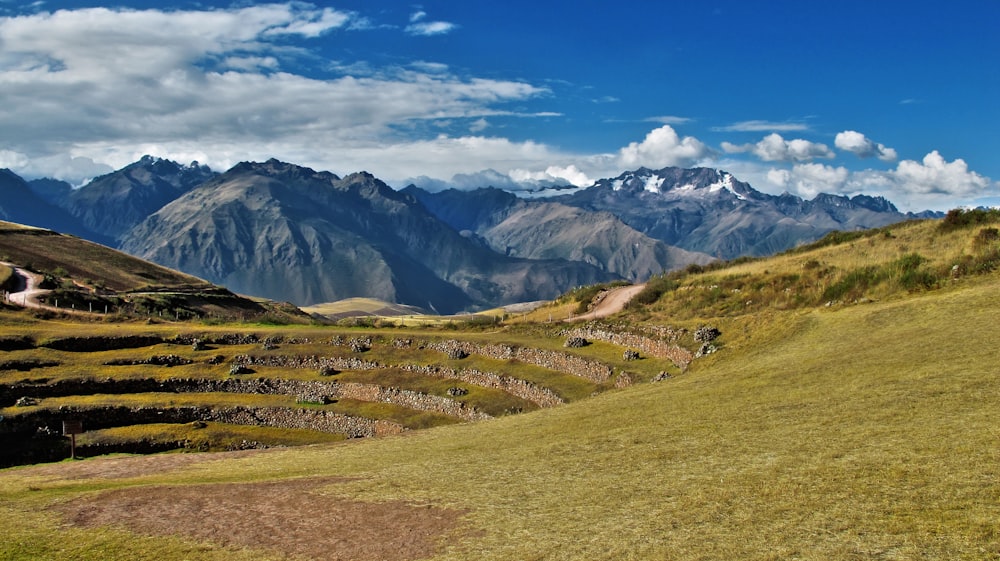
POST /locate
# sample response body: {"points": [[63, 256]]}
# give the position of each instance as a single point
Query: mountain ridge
{"points": [[449, 250], [276, 228]]}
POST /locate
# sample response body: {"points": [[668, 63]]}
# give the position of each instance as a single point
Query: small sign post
{"points": [[71, 429]]}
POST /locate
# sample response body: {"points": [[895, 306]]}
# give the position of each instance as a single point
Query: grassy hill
{"points": [[45, 250], [861, 426], [89, 276]]}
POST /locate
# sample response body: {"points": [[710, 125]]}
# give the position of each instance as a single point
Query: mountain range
{"points": [[290, 233]]}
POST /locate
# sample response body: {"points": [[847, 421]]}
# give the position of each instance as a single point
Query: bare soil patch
{"points": [[132, 466], [613, 303], [293, 517]]}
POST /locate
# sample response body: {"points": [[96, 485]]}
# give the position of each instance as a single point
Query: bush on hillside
{"points": [[960, 218]]}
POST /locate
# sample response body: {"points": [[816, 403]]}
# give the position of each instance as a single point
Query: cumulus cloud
{"points": [[935, 175], [774, 148], [862, 147], [933, 183], [663, 147], [213, 82], [809, 180], [554, 175]]}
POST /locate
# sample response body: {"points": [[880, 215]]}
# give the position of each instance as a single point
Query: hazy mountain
{"points": [[112, 204], [19, 203], [54, 191], [290, 233], [710, 211], [549, 230]]}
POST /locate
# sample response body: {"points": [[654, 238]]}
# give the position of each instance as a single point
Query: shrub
{"points": [[960, 218], [985, 238], [654, 289], [853, 284]]}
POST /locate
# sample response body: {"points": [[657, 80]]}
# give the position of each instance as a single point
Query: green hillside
{"points": [[857, 427]]}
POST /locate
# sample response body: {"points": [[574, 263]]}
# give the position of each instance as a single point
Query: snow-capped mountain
{"points": [[711, 211], [283, 231]]}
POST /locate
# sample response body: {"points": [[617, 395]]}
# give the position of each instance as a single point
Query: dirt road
{"points": [[613, 303], [26, 291]]}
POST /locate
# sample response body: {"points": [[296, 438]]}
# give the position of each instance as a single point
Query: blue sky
{"points": [[890, 98]]}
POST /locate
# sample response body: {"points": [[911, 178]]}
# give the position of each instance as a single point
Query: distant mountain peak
{"points": [[679, 182], [277, 168]]}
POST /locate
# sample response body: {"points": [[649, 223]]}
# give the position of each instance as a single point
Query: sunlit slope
{"points": [[861, 432], [47, 251]]}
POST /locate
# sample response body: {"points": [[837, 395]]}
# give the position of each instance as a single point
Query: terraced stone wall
{"points": [[95, 418], [676, 354]]}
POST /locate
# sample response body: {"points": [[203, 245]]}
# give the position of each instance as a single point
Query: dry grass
{"points": [[849, 432], [44, 250], [863, 433]]}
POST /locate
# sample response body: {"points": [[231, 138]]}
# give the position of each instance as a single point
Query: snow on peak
{"points": [[726, 182], [653, 183]]}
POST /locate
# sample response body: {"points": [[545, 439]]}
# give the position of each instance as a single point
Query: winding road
{"points": [[613, 303], [26, 291]]}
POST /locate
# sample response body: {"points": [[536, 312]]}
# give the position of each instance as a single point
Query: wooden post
{"points": [[71, 429]]}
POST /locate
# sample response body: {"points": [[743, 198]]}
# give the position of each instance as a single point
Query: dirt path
{"points": [[26, 291], [613, 303]]}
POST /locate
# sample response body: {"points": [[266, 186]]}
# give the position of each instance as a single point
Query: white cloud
{"points": [[774, 148], [663, 147], [938, 177], [862, 147], [763, 126], [312, 23], [111, 85], [933, 183], [429, 28], [809, 180], [75, 170], [667, 120], [418, 25], [553, 175], [479, 125]]}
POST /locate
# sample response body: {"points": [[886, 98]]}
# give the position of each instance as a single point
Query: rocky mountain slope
{"points": [[20, 204], [112, 204], [548, 230], [287, 232], [710, 211]]}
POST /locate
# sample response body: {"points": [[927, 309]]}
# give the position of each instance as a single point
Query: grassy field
{"points": [[865, 429]]}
